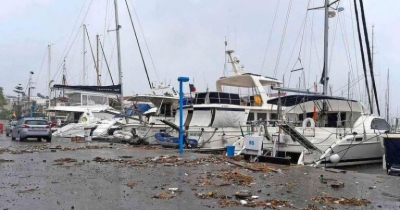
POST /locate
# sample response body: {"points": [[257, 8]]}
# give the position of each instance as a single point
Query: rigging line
{"points": [[362, 56], [354, 82], [105, 26], [41, 65], [283, 37], [269, 36], [105, 59], [371, 67], [346, 44], [354, 46], [311, 44], [145, 41], [73, 29], [332, 44], [66, 54], [298, 35], [137, 41], [94, 59]]}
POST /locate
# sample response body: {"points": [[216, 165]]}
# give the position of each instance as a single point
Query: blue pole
{"points": [[181, 81]]}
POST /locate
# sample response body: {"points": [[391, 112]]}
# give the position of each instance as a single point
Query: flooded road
{"points": [[126, 177]]}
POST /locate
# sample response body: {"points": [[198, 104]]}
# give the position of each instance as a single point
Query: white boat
{"points": [[165, 102], [217, 119], [345, 133], [84, 109]]}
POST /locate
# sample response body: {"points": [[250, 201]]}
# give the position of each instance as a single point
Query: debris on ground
{"points": [[5, 160], [131, 184], [345, 201], [27, 190], [238, 177], [164, 195], [211, 194], [233, 203], [276, 203], [243, 194], [337, 185], [66, 160], [125, 156]]}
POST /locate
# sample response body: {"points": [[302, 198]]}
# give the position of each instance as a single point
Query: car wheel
{"points": [[12, 136], [7, 134], [19, 137], [48, 139], [39, 139]]}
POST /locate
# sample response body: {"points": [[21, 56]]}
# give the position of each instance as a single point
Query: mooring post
{"points": [[181, 81]]}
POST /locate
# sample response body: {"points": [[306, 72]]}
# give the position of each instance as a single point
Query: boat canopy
{"points": [[246, 80], [292, 100]]}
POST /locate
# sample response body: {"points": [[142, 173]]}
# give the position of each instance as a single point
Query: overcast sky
{"points": [[186, 38]]}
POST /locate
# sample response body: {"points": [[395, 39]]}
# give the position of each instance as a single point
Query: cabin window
{"points": [[380, 124], [274, 116], [250, 117], [262, 116], [84, 100]]}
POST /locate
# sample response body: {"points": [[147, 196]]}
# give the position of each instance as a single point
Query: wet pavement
{"points": [[68, 175]]}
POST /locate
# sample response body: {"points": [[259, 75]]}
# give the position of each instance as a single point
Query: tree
{"points": [[3, 101]]}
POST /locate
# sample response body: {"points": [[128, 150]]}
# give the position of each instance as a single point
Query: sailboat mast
{"points": [[84, 55], [326, 33], [119, 54], [388, 97], [48, 71]]}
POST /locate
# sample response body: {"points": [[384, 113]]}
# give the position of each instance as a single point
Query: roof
{"points": [[292, 100], [246, 80]]}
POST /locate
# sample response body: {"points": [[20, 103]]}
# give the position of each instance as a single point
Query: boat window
{"points": [[380, 124], [274, 116], [262, 116], [200, 98], [84, 100], [168, 112]]}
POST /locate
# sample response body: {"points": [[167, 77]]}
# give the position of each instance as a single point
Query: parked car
{"points": [[31, 128], [10, 126]]}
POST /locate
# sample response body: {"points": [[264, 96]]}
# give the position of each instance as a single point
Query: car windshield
{"points": [[36, 122]]}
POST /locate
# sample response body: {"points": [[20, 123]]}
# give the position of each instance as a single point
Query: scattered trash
{"points": [[131, 184], [27, 190], [125, 156], [173, 189], [276, 203], [5, 160], [243, 194], [243, 202], [337, 185], [66, 160], [335, 170], [255, 197], [345, 201], [242, 179]]}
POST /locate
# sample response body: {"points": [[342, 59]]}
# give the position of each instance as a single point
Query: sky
{"points": [[186, 38]]}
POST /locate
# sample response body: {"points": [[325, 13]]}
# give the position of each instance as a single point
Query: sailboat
{"points": [[322, 130]]}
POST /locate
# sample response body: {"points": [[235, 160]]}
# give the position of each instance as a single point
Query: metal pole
{"points": [[48, 73], [119, 55], [84, 54], [181, 80], [326, 33], [348, 86], [97, 61]]}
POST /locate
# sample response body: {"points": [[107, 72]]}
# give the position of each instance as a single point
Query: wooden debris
{"points": [[345, 201], [131, 184]]}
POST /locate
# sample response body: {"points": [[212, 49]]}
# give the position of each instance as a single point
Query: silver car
{"points": [[31, 128], [10, 126]]}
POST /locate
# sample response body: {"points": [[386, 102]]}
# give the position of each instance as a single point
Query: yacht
{"points": [[218, 118]]}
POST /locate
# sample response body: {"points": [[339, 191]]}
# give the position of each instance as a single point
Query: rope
{"points": [[269, 36], [283, 37]]}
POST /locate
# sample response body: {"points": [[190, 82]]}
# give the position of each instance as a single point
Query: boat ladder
{"points": [[296, 136]]}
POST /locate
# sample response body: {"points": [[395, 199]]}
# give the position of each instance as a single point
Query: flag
{"points": [[192, 88]]}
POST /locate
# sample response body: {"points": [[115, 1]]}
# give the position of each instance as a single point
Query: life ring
{"points": [[84, 119], [308, 120]]}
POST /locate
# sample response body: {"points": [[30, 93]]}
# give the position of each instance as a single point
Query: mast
{"points": [[84, 55], [119, 54], [348, 86], [371, 66], [362, 56], [97, 61], [387, 99], [326, 33], [48, 71]]}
